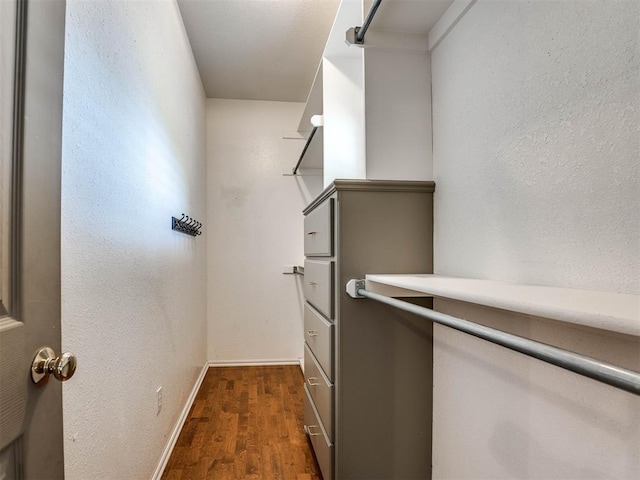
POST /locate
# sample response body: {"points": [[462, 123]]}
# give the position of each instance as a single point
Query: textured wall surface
{"points": [[255, 218], [133, 290], [536, 137], [502, 415], [536, 117]]}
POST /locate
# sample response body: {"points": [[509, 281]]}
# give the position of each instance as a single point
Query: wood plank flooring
{"points": [[245, 423]]}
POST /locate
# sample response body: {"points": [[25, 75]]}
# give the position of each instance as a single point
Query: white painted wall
{"points": [[133, 290], [398, 115], [344, 144], [254, 222], [536, 137], [501, 415]]}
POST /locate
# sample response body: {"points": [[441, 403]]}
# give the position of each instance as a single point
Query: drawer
{"points": [[321, 390], [318, 285], [322, 446], [318, 231], [318, 333]]}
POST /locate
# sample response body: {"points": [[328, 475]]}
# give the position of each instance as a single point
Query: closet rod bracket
{"points": [[351, 37], [355, 36], [353, 286]]}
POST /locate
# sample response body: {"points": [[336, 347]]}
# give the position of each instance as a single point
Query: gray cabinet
{"points": [[368, 367], [318, 334], [319, 285], [318, 231]]}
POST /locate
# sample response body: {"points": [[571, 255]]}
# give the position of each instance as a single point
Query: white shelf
{"points": [[313, 157], [615, 312], [407, 16], [357, 97], [313, 106], [349, 15]]}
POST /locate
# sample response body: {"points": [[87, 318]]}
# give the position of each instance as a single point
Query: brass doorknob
{"points": [[46, 363]]}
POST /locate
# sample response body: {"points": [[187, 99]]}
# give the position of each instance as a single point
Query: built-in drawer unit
{"points": [[318, 285], [322, 446], [368, 368], [318, 333], [318, 231], [321, 390]]}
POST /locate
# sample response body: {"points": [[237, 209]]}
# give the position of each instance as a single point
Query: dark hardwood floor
{"points": [[246, 422]]}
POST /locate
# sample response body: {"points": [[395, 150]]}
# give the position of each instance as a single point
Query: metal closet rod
{"points": [[361, 31], [618, 377], [304, 150]]}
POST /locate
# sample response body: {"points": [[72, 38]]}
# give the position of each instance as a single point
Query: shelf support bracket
{"points": [[304, 150]]}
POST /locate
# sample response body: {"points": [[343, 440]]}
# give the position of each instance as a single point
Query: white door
{"points": [[31, 63]]}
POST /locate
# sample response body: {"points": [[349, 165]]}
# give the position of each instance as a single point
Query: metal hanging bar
{"points": [[618, 377], [304, 150], [361, 31]]}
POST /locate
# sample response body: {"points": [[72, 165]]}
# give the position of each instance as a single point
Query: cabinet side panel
{"points": [[384, 356]]}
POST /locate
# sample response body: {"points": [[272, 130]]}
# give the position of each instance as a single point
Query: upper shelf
{"points": [[407, 16], [338, 93], [314, 102], [349, 15], [604, 310]]}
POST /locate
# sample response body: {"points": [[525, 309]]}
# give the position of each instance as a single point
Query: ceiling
{"points": [[258, 49]]}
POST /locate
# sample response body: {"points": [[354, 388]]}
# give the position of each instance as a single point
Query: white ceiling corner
{"points": [[258, 49]]}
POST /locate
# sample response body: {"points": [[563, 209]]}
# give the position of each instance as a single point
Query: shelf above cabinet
{"points": [[376, 100], [314, 102], [615, 312], [407, 16]]}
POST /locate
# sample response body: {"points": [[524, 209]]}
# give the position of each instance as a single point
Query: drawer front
{"points": [[321, 390], [318, 285], [322, 446], [318, 231], [318, 333]]}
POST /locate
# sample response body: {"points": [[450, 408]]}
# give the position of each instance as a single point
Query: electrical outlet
{"points": [[159, 398]]}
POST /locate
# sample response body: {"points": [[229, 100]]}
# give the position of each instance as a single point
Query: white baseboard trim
{"points": [[253, 363], [173, 438]]}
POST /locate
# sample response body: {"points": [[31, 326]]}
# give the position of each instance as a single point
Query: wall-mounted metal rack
{"points": [[187, 225]]}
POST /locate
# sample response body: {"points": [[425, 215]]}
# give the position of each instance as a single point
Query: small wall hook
{"points": [[186, 224]]}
